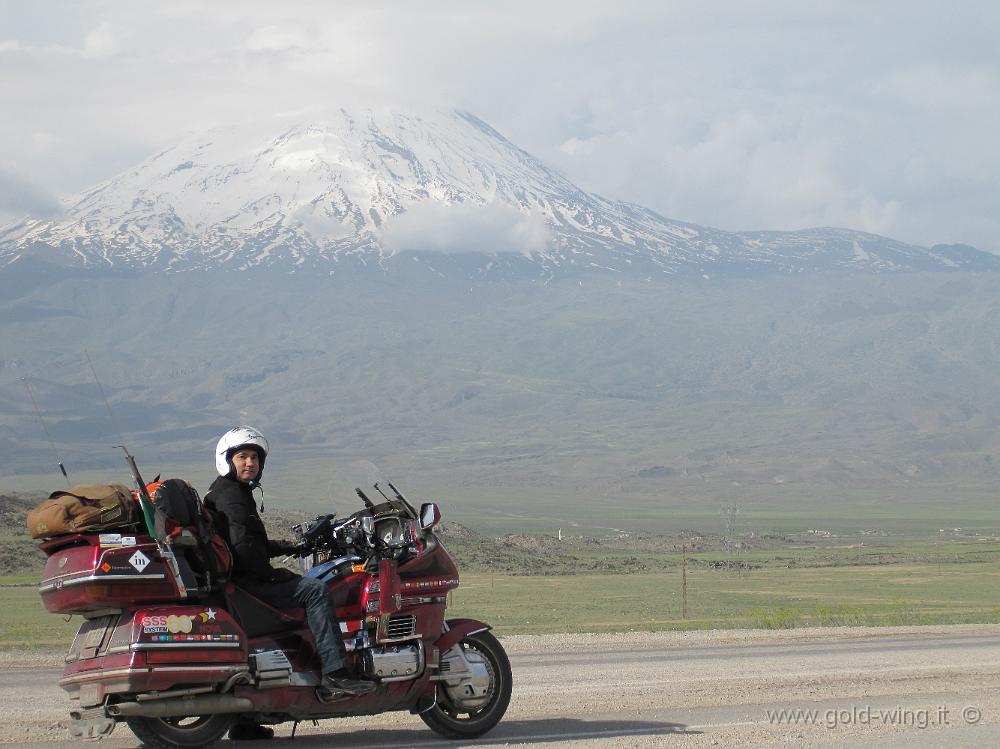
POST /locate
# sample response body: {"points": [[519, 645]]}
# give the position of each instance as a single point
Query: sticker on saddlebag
{"points": [[176, 623], [139, 561]]}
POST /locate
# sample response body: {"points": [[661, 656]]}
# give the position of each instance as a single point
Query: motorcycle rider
{"points": [[239, 460]]}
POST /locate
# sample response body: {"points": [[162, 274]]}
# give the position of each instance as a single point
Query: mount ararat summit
{"points": [[377, 192]]}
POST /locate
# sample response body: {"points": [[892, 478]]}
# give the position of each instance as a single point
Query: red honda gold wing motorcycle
{"points": [[180, 657]]}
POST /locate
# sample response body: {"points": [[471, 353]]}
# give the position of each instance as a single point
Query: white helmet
{"points": [[232, 441]]}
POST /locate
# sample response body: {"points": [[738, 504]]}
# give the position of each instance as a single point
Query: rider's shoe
{"points": [[250, 732], [341, 683]]}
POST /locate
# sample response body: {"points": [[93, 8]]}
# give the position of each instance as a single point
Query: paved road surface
{"points": [[899, 687]]}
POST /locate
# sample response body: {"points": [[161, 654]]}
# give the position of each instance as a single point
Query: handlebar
{"points": [[356, 533]]}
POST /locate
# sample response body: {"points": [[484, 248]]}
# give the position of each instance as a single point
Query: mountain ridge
{"points": [[365, 192]]}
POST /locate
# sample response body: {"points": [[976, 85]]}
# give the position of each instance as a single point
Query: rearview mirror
{"points": [[429, 515]]}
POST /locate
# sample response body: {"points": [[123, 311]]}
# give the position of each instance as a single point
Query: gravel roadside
{"points": [[621, 690]]}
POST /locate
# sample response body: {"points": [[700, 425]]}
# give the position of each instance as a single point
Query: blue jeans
{"points": [[312, 595]]}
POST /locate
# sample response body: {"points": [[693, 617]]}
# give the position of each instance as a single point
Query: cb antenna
{"points": [[364, 498], [145, 501], [114, 423], [399, 494], [401, 498], [46, 430]]}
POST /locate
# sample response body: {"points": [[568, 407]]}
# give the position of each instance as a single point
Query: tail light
{"points": [[192, 656]]}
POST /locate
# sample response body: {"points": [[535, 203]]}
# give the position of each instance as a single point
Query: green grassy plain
{"points": [[919, 584], [813, 571], [916, 593], [25, 624]]}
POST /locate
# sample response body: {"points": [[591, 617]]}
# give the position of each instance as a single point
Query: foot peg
{"points": [[337, 687]]}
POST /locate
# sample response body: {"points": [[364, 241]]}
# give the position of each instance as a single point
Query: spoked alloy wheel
{"points": [[181, 733], [470, 707]]}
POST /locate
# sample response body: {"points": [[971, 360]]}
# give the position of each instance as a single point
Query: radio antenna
{"points": [[114, 423], [364, 498], [46, 430]]}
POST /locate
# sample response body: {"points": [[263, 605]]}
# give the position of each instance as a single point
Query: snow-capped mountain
{"points": [[377, 189]]}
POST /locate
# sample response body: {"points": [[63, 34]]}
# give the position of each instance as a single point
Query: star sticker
{"points": [[208, 614]]}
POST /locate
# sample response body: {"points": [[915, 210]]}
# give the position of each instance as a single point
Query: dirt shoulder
{"points": [[584, 642]]}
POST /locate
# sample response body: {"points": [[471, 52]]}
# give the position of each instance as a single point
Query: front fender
{"points": [[458, 629]]}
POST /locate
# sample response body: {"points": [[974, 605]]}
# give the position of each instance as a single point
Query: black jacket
{"points": [[235, 513]]}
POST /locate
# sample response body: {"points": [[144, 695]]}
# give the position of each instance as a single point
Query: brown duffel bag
{"points": [[79, 509]]}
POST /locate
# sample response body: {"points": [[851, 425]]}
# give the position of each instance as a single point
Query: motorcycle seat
{"points": [[258, 617]]}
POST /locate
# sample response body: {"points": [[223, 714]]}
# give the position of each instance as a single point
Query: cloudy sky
{"points": [[740, 115]]}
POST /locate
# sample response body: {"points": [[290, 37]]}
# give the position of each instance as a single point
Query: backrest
{"points": [[182, 521], [178, 507]]}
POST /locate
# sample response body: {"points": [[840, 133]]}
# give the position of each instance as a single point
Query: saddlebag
{"points": [[92, 572], [82, 509], [152, 651]]}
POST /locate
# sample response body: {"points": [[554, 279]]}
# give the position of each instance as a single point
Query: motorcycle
{"points": [[180, 658]]}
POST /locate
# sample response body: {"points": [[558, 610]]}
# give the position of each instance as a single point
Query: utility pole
{"points": [[684, 582], [732, 544]]}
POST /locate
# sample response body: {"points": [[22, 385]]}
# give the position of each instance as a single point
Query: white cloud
{"points": [[101, 42], [20, 198], [578, 146], [466, 228], [278, 38], [968, 90]]}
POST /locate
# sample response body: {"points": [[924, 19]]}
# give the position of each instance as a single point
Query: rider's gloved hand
{"points": [[281, 575], [282, 548]]}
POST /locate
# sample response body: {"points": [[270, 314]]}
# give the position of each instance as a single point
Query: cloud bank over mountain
{"points": [[19, 197], [490, 228]]}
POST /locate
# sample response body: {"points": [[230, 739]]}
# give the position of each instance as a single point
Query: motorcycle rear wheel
{"points": [[450, 720], [181, 733]]}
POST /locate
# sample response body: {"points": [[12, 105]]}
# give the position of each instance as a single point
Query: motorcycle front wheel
{"points": [[456, 718], [181, 733]]}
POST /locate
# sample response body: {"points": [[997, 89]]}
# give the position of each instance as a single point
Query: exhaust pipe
{"points": [[207, 704]]}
